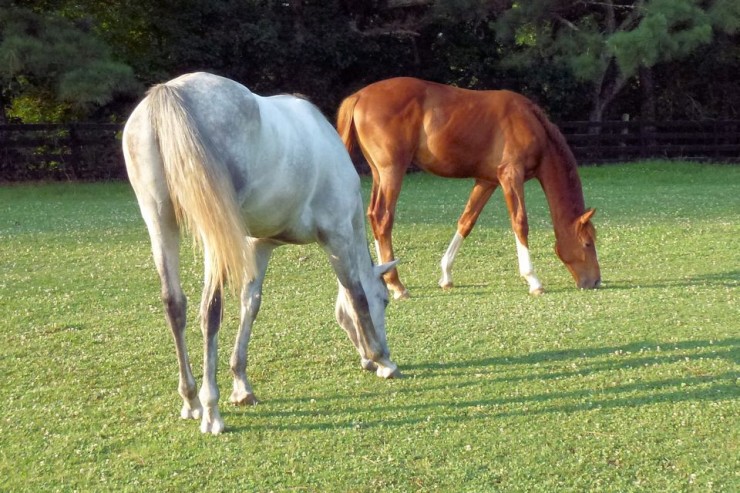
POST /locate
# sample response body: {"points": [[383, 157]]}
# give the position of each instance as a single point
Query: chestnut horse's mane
{"points": [[557, 139], [562, 149]]}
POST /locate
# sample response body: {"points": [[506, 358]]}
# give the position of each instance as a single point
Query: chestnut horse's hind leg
{"points": [[251, 299], [479, 196], [511, 178], [381, 214]]}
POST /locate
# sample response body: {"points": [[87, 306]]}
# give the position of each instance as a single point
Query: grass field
{"points": [[633, 387]]}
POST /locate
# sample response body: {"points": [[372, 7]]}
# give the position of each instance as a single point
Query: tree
{"points": [[52, 69], [606, 43]]}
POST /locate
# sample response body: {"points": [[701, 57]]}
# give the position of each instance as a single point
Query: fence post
{"points": [[74, 150], [716, 128]]}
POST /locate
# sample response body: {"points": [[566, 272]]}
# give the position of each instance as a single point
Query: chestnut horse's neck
{"points": [[558, 175]]}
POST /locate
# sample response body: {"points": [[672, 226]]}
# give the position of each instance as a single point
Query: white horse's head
{"points": [[360, 311]]}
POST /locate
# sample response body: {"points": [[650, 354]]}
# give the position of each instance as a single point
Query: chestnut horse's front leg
{"points": [[479, 196], [511, 178]]}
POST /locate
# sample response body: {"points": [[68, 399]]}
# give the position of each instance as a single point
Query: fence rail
{"points": [[87, 151], [597, 142], [81, 151]]}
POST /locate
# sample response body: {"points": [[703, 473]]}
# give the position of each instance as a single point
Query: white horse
{"points": [[246, 174]]}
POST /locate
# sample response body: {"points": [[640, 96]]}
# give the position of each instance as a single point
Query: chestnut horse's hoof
{"points": [[445, 285], [401, 295], [537, 291]]}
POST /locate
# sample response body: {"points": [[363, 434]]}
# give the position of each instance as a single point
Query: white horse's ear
{"points": [[383, 268]]}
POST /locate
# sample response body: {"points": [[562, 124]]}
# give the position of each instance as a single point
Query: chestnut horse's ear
{"points": [[586, 217], [383, 268]]}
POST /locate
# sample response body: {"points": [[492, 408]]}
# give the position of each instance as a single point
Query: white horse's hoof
{"points": [[389, 370], [191, 412], [215, 425], [368, 365], [243, 399]]}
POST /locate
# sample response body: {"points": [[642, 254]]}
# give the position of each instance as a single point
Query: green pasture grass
{"points": [[633, 387]]}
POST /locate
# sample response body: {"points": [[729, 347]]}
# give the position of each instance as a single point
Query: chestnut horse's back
{"points": [[445, 130]]}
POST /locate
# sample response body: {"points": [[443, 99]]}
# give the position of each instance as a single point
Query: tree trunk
{"points": [[3, 115], [299, 27], [647, 110], [597, 109]]}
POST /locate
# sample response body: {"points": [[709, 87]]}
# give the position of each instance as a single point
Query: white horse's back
{"points": [[281, 153]]}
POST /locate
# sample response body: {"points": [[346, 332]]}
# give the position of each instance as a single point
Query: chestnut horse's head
{"points": [[577, 249]]}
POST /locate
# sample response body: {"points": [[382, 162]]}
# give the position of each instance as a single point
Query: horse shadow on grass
{"points": [[474, 377], [730, 279], [732, 351]]}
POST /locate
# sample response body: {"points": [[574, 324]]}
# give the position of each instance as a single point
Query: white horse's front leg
{"points": [[448, 259], [526, 269], [242, 393], [251, 300], [211, 312]]}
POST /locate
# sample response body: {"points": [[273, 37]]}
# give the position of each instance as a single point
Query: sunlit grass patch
{"points": [[632, 387]]}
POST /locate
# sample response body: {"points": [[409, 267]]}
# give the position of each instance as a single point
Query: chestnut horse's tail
{"points": [[200, 189], [346, 122]]}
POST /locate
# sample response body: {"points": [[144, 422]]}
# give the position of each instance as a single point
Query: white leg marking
{"points": [[449, 258], [377, 250], [526, 269]]}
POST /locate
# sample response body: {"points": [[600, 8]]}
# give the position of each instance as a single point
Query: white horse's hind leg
{"points": [[251, 299], [147, 178], [210, 313], [526, 269], [165, 249]]}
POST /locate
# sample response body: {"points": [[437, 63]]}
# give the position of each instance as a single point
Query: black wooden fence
{"points": [[93, 151], [615, 141], [83, 151]]}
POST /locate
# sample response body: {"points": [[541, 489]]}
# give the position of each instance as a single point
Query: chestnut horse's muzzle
{"points": [[590, 284]]}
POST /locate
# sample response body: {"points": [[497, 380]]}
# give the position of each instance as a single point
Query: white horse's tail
{"points": [[201, 190]]}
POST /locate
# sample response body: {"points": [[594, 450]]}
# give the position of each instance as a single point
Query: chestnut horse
{"points": [[496, 138]]}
